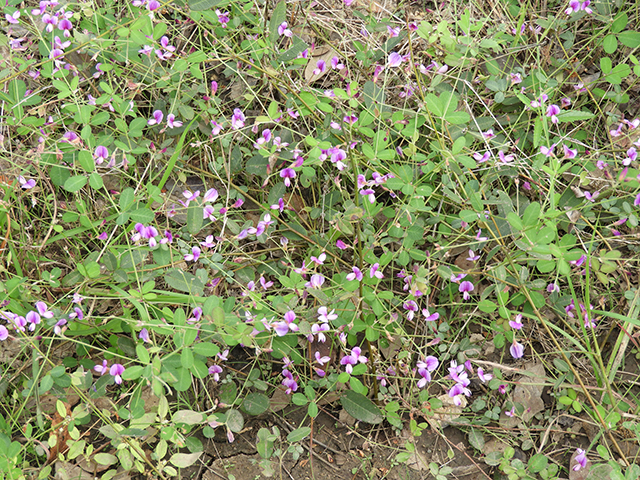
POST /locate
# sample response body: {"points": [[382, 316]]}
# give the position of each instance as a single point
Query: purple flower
{"points": [[632, 154], [102, 369], [484, 377], [283, 30], [343, 246], [395, 60], [287, 174], [411, 307], [116, 371], [502, 389], [552, 111], [282, 328], [316, 281], [355, 274], [479, 236], [321, 67], [325, 316], [101, 154], [516, 349], [4, 333], [505, 158], [318, 329], [144, 335], [216, 128], [581, 459], [374, 271], [289, 382], [481, 158], [568, 153], [215, 370], [156, 119], [430, 317], [517, 323], [369, 193], [353, 359], [321, 360], [196, 315], [319, 260], [488, 134], [464, 288], [193, 256], [172, 122], [472, 257], [515, 78], [591, 196], [636, 202], [237, 120], [223, 18], [511, 413], [547, 151], [13, 18], [456, 393], [279, 205]]}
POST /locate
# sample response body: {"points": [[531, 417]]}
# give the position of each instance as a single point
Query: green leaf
{"points": [[531, 214], [255, 403], [619, 23], [605, 65], [95, 180], [487, 306], [630, 39], [85, 159], [457, 118], [361, 408], [298, 434], [476, 439], [228, 393], [235, 420], [132, 373], [194, 218], [610, 44], [105, 459], [207, 349], [184, 282], [183, 460], [297, 47], [278, 15], [75, 183], [126, 198], [186, 358], [574, 116], [142, 215], [515, 221], [142, 353], [189, 417], [434, 105]]}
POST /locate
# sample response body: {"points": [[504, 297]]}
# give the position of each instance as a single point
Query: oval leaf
{"points": [[189, 417], [73, 184], [183, 460], [298, 434], [361, 408], [235, 420], [105, 459], [255, 403]]}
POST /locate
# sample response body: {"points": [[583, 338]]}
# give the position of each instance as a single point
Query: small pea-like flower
{"points": [[278, 206], [289, 382], [196, 315], [287, 174], [172, 122], [101, 154], [430, 317], [369, 193], [472, 256], [77, 298], [316, 281], [375, 272], [395, 60], [581, 460], [515, 78], [343, 246], [636, 202], [411, 307], [505, 158], [283, 30], [511, 413], [356, 274], [481, 158], [4, 333], [43, 310], [479, 236], [215, 370], [116, 372], [320, 259], [553, 287], [283, 327], [484, 377], [591, 196], [488, 134], [144, 335], [547, 151], [321, 360], [26, 184], [516, 349], [193, 256], [569, 153], [216, 128], [552, 111], [632, 155], [157, 118], [238, 119], [464, 288], [321, 67], [502, 389], [325, 316], [516, 324], [102, 369], [353, 359]]}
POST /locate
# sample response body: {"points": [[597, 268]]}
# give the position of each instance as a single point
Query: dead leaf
{"points": [[325, 53]]}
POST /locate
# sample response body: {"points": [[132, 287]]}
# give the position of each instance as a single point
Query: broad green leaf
{"points": [[434, 105], [186, 358], [126, 198], [75, 183], [457, 118], [515, 221], [255, 403], [194, 218], [610, 44], [183, 460], [235, 420], [619, 23], [86, 161], [105, 459], [531, 214], [630, 39], [574, 116], [207, 349], [189, 417], [605, 65], [184, 282], [142, 353], [278, 15], [297, 47], [142, 215], [95, 180], [298, 434], [183, 382], [361, 408], [228, 393], [476, 439], [132, 373]]}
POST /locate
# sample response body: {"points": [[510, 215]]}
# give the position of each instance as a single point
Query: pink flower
{"points": [[464, 288], [516, 349], [481, 158], [238, 119], [102, 369], [430, 317], [172, 122], [193, 256], [343, 246], [581, 460], [321, 67], [26, 184], [283, 30], [355, 274], [287, 174], [484, 377], [13, 18], [101, 154], [116, 371], [157, 118], [395, 60], [568, 153], [517, 323], [374, 272]]}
